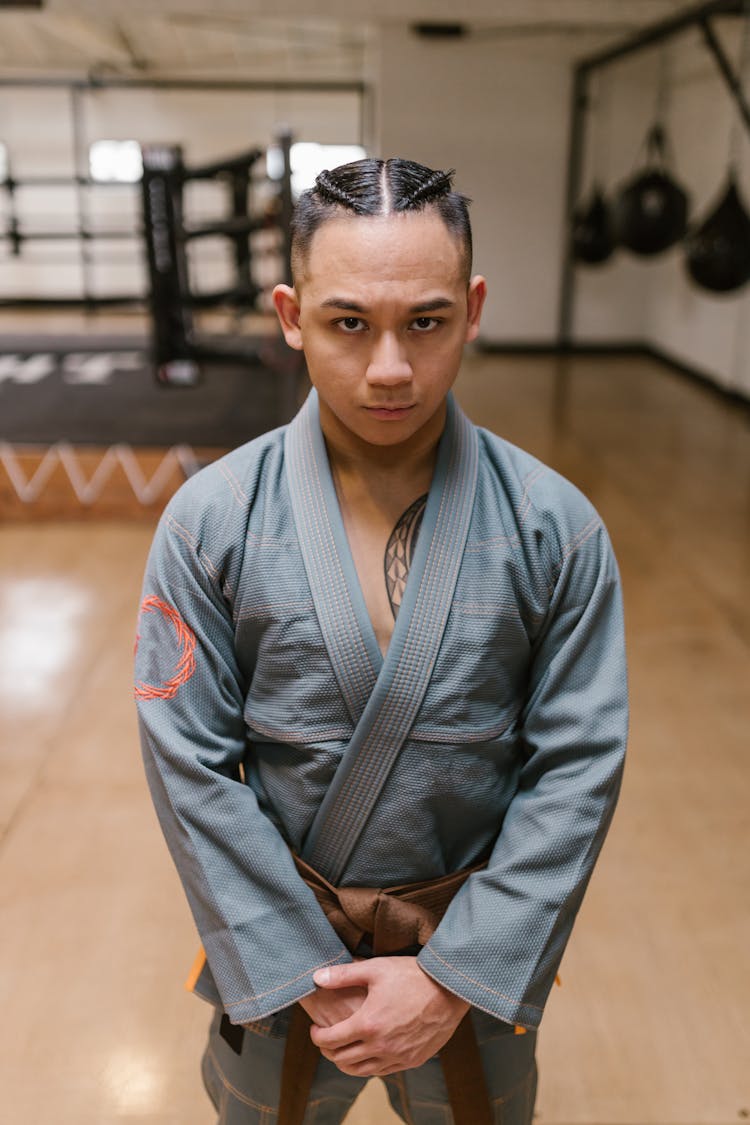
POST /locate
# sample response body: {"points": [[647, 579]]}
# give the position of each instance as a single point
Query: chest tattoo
{"points": [[400, 552]]}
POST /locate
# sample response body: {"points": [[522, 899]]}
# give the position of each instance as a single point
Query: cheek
{"points": [[332, 374], [441, 358], [336, 360]]}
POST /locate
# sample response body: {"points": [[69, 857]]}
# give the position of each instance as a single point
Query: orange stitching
{"points": [[256, 610], [237, 1093], [260, 995], [513, 1000], [237, 490], [578, 540], [211, 567], [322, 734], [181, 532], [186, 664], [187, 537], [525, 504], [271, 540], [436, 734], [480, 544]]}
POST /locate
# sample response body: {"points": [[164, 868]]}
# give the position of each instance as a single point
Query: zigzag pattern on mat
{"points": [[88, 490]]}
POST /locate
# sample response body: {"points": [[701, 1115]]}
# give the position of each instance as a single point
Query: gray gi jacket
{"points": [[246, 710]]}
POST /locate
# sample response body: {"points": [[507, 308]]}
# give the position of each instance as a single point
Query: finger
{"points": [[370, 1068], [343, 976], [345, 1033], [366, 1069], [352, 1055]]}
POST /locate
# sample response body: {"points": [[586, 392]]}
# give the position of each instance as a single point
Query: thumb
{"points": [[343, 976]]}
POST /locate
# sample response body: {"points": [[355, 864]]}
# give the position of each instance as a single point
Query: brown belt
{"points": [[390, 920]]}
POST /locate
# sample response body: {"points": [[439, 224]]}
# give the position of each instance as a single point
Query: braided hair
{"points": [[379, 187]]}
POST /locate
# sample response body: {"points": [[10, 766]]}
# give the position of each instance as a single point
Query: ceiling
{"points": [[273, 39]]}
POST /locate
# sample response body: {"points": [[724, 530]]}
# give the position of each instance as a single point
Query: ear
{"points": [[286, 303], [475, 303]]}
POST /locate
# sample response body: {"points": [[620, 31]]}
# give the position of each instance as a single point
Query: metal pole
{"points": [[579, 107], [287, 203], [733, 82], [664, 30], [268, 86], [80, 157]]}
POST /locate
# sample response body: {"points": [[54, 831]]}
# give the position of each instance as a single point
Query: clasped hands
{"points": [[382, 1015]]}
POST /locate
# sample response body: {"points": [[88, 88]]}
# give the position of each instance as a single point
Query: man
{"points": [[380, 650]]}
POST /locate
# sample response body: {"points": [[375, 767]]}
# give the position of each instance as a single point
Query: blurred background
{"points": [[150, 155]]}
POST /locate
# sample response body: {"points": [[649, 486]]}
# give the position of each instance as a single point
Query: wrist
{"points": [[457, 1004]]}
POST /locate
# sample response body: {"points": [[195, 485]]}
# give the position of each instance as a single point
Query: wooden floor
{"points": [[652, 1023]]}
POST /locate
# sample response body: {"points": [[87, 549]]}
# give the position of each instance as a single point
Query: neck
{"points": [[405, 465]]}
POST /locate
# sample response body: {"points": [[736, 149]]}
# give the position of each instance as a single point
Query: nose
{"points": [[389, 364]]}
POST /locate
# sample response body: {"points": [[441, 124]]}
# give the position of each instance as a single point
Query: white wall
{"points": [[497, 111]]}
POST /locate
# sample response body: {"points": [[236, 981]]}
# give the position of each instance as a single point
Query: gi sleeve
{"points": [[502, 938], [262, 929]]}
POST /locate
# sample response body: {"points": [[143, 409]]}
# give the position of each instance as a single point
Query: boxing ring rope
{"points": [[29, 489]]}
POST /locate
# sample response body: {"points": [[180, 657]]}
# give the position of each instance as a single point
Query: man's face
{"points": [[382, 312]]}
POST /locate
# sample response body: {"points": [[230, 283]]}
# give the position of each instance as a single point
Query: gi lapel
{"points": [[384, 707], [324, 548]]}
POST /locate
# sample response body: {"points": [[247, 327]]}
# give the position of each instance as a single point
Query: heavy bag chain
{"points": [[736, 129]]}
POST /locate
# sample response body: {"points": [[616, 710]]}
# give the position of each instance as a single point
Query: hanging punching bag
{"points": [[593, 231], [651, 209], [718, 251]]}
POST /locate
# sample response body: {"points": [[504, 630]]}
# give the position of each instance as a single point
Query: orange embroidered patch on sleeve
{"points": [[185, 666]]}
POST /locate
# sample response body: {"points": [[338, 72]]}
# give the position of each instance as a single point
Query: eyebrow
{"points": [[415, 310]]}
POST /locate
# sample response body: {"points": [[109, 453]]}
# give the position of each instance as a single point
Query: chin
{"points": [[379, 432]]}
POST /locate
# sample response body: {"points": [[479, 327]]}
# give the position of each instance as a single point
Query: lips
{"points": [[388, 414], [391, 408]]}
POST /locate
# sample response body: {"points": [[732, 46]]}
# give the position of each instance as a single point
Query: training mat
{"points": [[103, 391]]}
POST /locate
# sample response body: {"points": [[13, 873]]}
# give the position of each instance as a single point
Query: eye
{"points": [[351, 324], [425, 323]]}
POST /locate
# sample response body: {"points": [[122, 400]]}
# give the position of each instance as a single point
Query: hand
{"points": [[405, 1019], [328, 1007]]}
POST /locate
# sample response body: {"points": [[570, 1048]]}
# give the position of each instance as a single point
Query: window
{"points": [[117, 162], [308, 159]]}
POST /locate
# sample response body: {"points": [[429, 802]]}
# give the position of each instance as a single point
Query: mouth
{"points": [[389, 413]]}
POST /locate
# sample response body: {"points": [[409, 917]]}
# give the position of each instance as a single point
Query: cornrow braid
{"points": [[435, 187], [378, 187], [327, 187]]}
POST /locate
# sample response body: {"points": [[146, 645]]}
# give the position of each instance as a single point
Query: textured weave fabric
{"points": [[393, 700], [516, 750]]}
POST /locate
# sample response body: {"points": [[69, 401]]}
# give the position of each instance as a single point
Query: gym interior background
{"points": [[136, 344]]}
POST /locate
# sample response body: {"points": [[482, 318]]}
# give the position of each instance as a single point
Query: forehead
{"points": [[407, 249]]}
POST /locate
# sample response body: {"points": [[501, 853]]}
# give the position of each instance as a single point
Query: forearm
{"points": [[501, 940], [262, 929]]}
